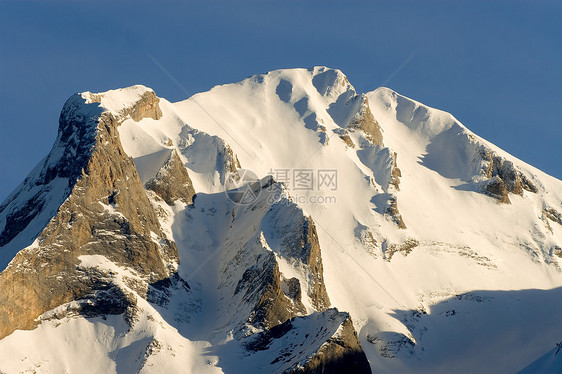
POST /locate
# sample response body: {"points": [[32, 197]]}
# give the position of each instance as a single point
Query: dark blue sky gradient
{"points": [[496, 67]]}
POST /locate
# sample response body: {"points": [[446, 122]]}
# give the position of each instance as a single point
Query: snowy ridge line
{"points": [[187, 93], [450, 241]]}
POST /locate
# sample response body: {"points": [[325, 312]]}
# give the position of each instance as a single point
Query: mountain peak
{"points": [[138, 101], [330, 82], [370, 226]]}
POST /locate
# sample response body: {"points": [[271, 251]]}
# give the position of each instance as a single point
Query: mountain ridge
{"points": [[418, 197]]}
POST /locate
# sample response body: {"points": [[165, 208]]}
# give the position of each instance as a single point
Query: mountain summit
{"points": [[282, 224]]}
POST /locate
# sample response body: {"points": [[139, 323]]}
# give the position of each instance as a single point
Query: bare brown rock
{"points": [[275, 298], [553, 215], [274, 307], [292, 288], [405, 248], [107, 214], [394, 213], [330, 334], [341, 354], [172, 182], [495, 188], [347, 140], [526, 184], [511, 180], [303, 246], [146, 107], [69, 156], [231, 160], [396, 174], [262, 285], [313, 259], [368, 124], [511, 177]]}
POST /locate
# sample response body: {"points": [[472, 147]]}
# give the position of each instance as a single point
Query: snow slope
{"points": [[467, 284], [548, 363], [466, 240]]}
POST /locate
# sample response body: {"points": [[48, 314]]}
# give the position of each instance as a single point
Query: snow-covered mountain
{"points": [[285, 223]]}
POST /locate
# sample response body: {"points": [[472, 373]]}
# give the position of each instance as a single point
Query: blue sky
{"points": [[495, 66]]}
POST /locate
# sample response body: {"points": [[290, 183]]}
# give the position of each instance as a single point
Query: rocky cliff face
{"points": [[107, 213], [172, 182], [365, 122], [296, 240], [333, 349], [342, 352], [286, 235], [54, 178]]}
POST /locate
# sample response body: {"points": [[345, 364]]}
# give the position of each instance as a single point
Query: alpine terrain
{"points": [[282, 224]]}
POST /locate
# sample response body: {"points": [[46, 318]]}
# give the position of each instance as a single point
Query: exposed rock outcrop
{"points": [[313, 258], [172, 182], [553, 215], [297, 240], [262, 285], [405, 248], [395, 173], [347, 140], [145, 104], [392, 211], [495, 187], [340, 353], [327, 342], [50, 183], [106, 214], [503, 177], [260, 296], [146, 107], [381, 160], [366, 122]]}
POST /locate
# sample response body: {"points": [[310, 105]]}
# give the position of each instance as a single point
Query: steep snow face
{"points": [[391, 238], [425, 229], [444, 166], [458, 236], [208, 158], [551, 362]]}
